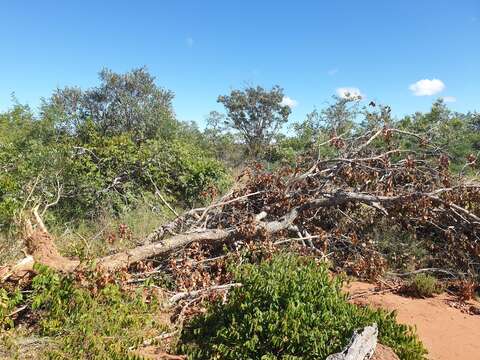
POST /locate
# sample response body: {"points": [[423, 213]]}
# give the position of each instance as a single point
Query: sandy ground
{"points": [[447, 332]]}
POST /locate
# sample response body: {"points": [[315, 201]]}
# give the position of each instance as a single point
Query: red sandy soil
{"points": [[447, 332]]}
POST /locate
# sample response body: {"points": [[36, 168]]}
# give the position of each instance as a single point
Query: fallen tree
{"points": [[373, 209], [334, 207]]}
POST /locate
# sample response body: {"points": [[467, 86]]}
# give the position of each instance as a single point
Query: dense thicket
{"points": [[114, 146], [104, 149]]}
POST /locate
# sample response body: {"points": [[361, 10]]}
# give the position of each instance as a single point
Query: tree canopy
{"points": [[129, 102], [257, 114]]}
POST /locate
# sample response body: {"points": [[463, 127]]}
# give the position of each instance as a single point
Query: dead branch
{"points": [[425, 270], [57, 199], [333, 205], [188, 294], [361, 346], [18, 270], [129, 257], [159, 194]]}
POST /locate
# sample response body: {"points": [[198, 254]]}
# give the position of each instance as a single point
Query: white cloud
{"points": [[349, 92], [449, 98], [427, 87], [332, 72], [189, 41], [286, 101]]}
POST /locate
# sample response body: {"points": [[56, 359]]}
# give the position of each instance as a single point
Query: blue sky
{"points": [[201, 49]]}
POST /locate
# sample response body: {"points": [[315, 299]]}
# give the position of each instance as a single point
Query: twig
{"points": [[159, 194], [296, 239], [211, 259], [373, 291], [423, 271], [366, 143], [31, 191], [57, 199], [228, 202], [153, 340], [183, 295], [20, 309]]}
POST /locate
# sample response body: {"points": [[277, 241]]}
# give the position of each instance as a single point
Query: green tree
{"points": [[337, 119], [221, 141], [257, 114], [340, 116], [453, 133], [129, 102]]}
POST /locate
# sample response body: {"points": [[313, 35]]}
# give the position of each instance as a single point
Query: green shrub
{"points": [[424, 285], [87, 324], [8, 302], [289, 308], [97, 172]]}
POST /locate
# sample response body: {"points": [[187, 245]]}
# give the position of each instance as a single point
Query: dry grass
{"points": [[107, 234], [93, 238], [10, 249], [19, 343]]}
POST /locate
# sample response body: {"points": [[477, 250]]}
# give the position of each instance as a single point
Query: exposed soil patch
{"points": [[447, 332], [40, 244]]}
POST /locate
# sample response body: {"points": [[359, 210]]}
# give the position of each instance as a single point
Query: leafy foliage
{"points": [[86, 323], [257, 114], [225, 145], [122, 103], [454, 133], [8, 301], [289, 308], [95, 164]]}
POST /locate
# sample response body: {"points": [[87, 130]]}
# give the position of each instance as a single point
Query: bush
{"points": [[423, 285], [97, 173], [98, 323], [289, 308]]}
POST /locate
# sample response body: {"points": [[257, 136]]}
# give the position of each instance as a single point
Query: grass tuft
{"points": [[423, 285]]}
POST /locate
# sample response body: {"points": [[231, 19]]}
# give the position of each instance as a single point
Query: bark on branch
{"points": [[41, 247]]}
